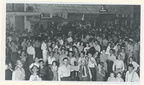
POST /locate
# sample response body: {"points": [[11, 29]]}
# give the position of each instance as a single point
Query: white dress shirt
{"points": [[64, 71], [31, 51]]}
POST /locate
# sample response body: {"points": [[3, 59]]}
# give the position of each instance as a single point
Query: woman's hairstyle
{"points": [[131, 65]]}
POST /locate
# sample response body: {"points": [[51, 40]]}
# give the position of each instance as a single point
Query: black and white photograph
{"points": [[72, 42]]}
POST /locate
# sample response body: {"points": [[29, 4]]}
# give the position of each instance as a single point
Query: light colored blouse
{"points": [[18, 74]]}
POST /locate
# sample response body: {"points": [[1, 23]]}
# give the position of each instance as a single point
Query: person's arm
{"points": [[136, 66], [90, 74], [126, 78], [33, 53], [13, 76], [113, 67], [123, 66], [59, 74]]}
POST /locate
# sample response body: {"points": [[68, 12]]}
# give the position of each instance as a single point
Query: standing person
{"points": [[81, 58], [111, 60], [56, 54], [92, 64], [64, 71], [44, 51], [136, 51], [44, 71], [62, 56], [24, 45], [131, 75], [19, 72], [34, 76], [130, 48], [135, 64], [8, 72], [118, 65], [38, 49], [31, 53], [14, 49], [100, 74], [51, 58], [103, 58], [54, 69], [84, 72]]}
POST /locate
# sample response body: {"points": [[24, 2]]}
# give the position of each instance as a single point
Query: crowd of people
{"points": [[74, 52]]}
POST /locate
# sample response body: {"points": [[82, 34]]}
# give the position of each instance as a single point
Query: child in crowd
{"points": [[119, 77], [111, 78], [54, 69]]}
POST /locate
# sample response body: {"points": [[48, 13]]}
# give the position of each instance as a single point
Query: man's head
{"points": [[65, 61]]}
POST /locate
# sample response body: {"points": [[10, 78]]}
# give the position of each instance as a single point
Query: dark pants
{"points": [[38, 52], [110, 64], [74, 76], [93, 72], [29, 59], [66, 79]]}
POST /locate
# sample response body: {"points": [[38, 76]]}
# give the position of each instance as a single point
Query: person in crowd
{"points": [[103, 58], [135, 65], [56, 54], [111, 59], [24, 44], [8, 72], [34, 76], [100, 74], [119, 77], [62, 56], [45, 72], [54, 69], [44, 51], [36, 63], [84, 71], [23, 57], [86, 48], [37, 44], [131, 75], [81, 58], [14, 56], [31, 54], [118, 65], [51, 58], [92, 65], [64, 71], [123, 54], [112, 77], [19, 72]]}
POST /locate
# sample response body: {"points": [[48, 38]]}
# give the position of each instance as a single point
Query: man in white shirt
{"points": [[118, 65], [44, 51], [31, 53], [92, 64], [64, 71]]}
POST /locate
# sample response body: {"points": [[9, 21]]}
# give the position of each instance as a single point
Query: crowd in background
{"points": [[74, 52]]}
